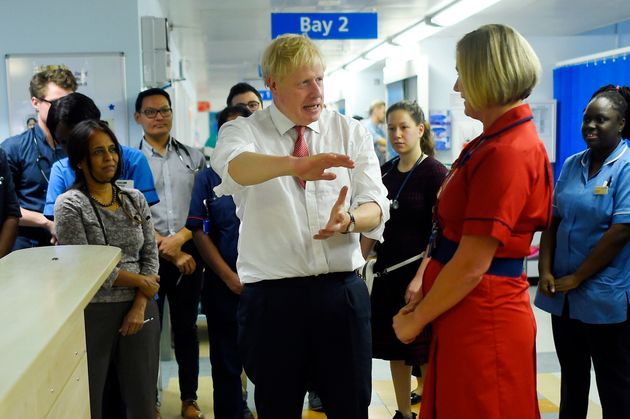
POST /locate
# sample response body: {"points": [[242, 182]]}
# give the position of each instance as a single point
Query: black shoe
{"points": [[415, 398], [399, 415], [314, 403]]}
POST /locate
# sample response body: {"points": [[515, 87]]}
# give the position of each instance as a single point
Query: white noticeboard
{"points": [[544, 113], [101, 76]]}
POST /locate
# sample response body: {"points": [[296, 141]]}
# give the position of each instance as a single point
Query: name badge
{"points": [[125, 183], [601, 190]]}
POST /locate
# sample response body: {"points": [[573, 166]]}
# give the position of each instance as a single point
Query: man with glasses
{"points": [[245, 95], [174, 167], [31, 156]]}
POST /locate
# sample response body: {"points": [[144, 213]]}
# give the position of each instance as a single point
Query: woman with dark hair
{"points": [[482, 362], [585, 261], [412, 180], [121, 321]]}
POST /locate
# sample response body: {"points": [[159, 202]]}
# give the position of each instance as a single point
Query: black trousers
{"points": [[607, 346], [219, 305], [183, 299], [313, 330]]}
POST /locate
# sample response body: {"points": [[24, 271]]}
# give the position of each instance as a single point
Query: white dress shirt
{"points": [[278, 217]]}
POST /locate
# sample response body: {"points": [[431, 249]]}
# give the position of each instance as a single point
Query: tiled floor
{"points": [[383, 402]]}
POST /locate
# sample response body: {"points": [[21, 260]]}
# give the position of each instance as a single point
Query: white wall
{"points": [[358, 89], [71, 26], [550, 50], [189, 126]]}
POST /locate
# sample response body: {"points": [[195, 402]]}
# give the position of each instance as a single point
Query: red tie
{"points": [[301, 148]]}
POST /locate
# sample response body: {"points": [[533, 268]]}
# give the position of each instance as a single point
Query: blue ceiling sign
{"points": [[326, 25], [265, 95]]}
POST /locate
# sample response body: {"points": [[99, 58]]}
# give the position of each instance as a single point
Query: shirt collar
{"points": [[283, 124], [145, 144], [621, 148], [515, 114]]}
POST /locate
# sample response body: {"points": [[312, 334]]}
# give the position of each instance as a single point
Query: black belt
{"points": [[445, 249]]}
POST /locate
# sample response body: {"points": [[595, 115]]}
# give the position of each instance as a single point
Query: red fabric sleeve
{"points": [[499, 186]]}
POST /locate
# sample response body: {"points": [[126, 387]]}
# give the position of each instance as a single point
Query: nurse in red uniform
{"points": [[482, 362]]}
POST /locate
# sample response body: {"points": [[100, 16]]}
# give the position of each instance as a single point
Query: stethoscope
{"points": [[41, 157], [178, 147], [394, 203]]}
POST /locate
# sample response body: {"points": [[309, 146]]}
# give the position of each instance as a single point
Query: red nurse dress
{"points": [[482, 362]]}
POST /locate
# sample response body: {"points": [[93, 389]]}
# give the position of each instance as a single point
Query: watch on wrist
{"points": [[351, 225]]}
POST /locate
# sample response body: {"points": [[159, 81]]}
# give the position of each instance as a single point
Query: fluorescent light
{"points": [[461, 10], [381, 52], [357, 65], [416, 34]]}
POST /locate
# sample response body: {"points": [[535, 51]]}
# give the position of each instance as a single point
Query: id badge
{"points": [[601, 190], [124, 183]]}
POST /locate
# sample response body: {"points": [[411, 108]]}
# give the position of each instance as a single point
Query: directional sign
{"points": [[326, 25]]}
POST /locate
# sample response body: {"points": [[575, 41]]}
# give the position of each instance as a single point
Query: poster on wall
{"points": [[544, 113], [101, 76], [440, 121]]}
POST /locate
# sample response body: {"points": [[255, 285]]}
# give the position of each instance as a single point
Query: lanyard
{"points": [[393, 203]]}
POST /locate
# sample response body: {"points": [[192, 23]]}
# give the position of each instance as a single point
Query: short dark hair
{"points": [[240, 88], [619, 97], [225, 114], [70, 110], [151, 92], [79, 148]]}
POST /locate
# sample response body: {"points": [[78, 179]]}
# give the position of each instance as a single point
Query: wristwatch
{"points": [[352, 224]]}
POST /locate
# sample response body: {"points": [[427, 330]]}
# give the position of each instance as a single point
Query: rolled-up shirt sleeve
{"points": [[234, 139], [367, 185]]}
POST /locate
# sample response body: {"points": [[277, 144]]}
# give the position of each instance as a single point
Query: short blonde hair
{"points": [[287, 53], [496, 66]]}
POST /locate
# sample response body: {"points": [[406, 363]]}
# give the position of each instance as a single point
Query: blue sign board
{"points": [[326, 25], [265, 94]]}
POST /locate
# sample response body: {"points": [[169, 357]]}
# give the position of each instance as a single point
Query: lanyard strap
{"points": [[402, 185]]}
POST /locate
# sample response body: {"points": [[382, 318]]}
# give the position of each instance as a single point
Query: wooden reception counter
{"points": [[43, 291]]}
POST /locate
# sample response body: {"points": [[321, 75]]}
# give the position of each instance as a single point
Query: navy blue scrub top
{"points": [[9, 205], [221, 215], [30, 160]]}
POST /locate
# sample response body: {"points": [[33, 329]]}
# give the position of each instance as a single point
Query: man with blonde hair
{"points": [[31, 155], [305, 181]]}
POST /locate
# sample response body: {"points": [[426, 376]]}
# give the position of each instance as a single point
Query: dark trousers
{"points": [[133, 359], [183, 300], [608, 347], [219, 305], [312, 330]]}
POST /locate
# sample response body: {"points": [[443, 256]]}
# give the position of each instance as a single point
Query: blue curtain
{"points": [[573, 87]]}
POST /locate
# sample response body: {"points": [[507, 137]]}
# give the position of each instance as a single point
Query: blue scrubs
{"points": [[30, 159], [135, 167], [9, 206], [218, 301], [587, 208]]}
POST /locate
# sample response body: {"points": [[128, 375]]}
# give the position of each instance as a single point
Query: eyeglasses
{"points": [[152, 113], [50, 102], [252, 106]]}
